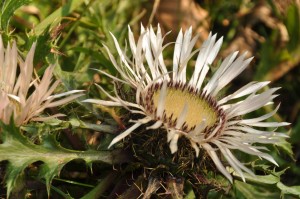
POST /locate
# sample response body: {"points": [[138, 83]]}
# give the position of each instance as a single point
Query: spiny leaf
{"points": [[56, 124], [255, 186], [287, 148], [21, 152], [245, 190], [294, 190], [272, 178]]}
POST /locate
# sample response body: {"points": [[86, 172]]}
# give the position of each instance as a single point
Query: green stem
{"points": [[101, 187]]}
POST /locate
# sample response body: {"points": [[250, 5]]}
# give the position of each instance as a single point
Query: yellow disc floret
{"points": [[199, 109]]}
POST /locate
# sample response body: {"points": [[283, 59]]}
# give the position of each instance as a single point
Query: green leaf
{"points": [[286, 147], [259, 186], [21, 152], [294, 190], [244, 190], [43, 47], [266, 179], [272, 178], [190, 194], [75, 122], [8, 9], [56, 124]]}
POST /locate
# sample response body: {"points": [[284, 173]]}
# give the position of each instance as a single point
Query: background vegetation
{"points": [[70, 158]]}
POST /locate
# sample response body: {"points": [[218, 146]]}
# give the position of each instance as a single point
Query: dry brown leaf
{"points": [[176, 14], [246, 38]]}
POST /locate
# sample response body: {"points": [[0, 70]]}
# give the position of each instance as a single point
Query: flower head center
{"points": [[181, 101]]}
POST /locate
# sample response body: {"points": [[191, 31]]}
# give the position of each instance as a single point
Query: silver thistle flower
{"points": [[189, 107], [16, 76]]}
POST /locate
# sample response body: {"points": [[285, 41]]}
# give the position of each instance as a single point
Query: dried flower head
{"points": [[23, 95], [191, 107]]}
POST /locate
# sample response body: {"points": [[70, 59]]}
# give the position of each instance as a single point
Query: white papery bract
{"points": [[24, 96], [190, 106]]}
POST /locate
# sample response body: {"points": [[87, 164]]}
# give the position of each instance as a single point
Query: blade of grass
{"points": [[7, 11], [57, 16], [74, 182], [101, 187]]}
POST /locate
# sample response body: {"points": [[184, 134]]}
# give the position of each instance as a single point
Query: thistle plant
{"points": [[16, 99], [186, 106], [95, 105]]}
